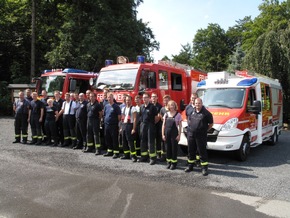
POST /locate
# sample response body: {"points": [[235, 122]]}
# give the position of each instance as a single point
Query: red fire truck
{"points": [[162, 78], [67, 80]]}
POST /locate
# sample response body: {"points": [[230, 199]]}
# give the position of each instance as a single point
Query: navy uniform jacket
{"points": [[148, 113], [35, 107], [111, 113], [199, 121], [93, 110]]}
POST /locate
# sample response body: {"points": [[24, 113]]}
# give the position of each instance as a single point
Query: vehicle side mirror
{"points": [[38, 84], [182, 105], [72, 85], [256, 108]]}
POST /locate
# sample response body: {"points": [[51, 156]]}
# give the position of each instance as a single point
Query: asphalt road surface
{"points": [[41, 181]]}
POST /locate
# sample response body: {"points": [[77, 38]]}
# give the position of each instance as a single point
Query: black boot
{"points": [[143, 159], [98, 151], [115, 156], [24, 140], [204, 170], [108, 154], [189, 168], [152, 161], [173, 166], [48, 141], [89, 149], [39, 142], [17, 140], [134, 158], [33, 142], [168, 165], [125, 157]]}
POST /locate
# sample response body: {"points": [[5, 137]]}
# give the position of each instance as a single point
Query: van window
{"points": [[268, 100], [265, 90], [251, 97], [163, 80], [176, 82], [147, 80], [82, 85]]}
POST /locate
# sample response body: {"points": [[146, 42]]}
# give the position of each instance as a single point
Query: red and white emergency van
{"points": [[67, 80], [162, 78], [247, 111]]}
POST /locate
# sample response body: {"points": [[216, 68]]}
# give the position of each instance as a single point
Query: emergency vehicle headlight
{"points": [[231, 123], [247, 82]]}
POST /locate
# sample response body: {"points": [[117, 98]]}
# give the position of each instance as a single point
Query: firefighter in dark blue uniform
{"points": [[44, 102], [128, 129], [59, 123], [138, 122], [147, 130], [188, 111], [200, 121], [21, 109], [94, 115], [112, 117], [50, 123], [36, 119], [81, 122], [158, 125], [103, 103]]}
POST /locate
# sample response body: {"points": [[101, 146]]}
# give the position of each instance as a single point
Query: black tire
{"points": [[184, 149], [274, 138], [244, 150]]}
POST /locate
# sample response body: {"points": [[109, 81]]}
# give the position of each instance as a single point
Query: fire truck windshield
{"points": [[120, 79], [52, 83], [222, 97]]}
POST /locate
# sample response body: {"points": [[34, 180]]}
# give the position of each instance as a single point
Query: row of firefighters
{"points": [[148, 130]]}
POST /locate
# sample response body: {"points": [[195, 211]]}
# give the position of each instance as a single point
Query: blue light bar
{"points": [[141, 59], [247, 82], [71, 70], [201, 83], [108, 62], [47, 71]]}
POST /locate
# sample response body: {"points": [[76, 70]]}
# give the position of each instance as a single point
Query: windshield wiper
{"points": [[220, 105]]}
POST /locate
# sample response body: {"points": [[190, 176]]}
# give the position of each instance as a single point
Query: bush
{"points": [[5, 101]]}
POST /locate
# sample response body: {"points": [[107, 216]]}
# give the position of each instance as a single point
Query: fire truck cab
{"points": [[247, 110], [67, 80], [163, 78]]}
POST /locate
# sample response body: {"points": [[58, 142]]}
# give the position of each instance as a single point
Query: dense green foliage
{"points": [[69, 33]]}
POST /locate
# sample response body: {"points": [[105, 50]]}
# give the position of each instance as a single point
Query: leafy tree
{"points": [[274, 16], [184, 56], [267, 45], [93, 31], [235, 33], [210, 49], [236, 59]]}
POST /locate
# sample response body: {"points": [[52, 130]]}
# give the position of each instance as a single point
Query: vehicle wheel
{"points": [[184, 149], [244, 149], [274, 138]]}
